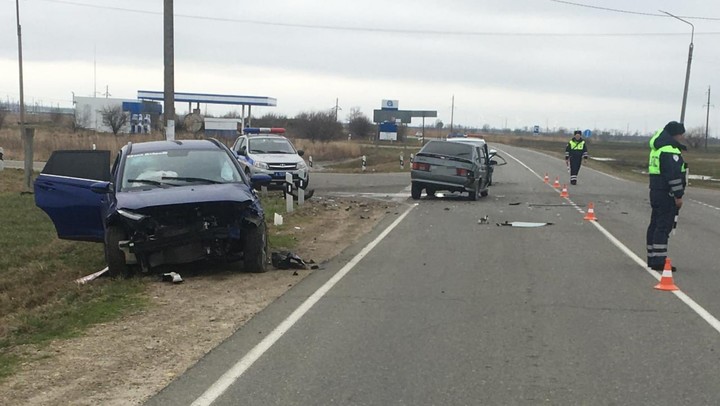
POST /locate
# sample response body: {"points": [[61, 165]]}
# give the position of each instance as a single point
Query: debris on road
{"points": [[173, 277], [514, 204], [287, 260], [92, 276], [523, 224], [484, 220], [278, 220]]}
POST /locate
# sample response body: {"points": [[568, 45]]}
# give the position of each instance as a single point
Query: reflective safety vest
{"points": [[654, 161], [577, 145]]}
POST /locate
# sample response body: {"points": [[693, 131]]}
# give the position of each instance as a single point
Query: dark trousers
{"points": [[661, 223], [575, 162]]}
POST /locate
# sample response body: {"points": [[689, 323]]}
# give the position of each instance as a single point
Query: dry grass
{"points": [[328, 151], [47, 140]]}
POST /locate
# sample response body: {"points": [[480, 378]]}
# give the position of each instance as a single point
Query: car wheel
{"points": [[256, 248], [415, 190], [475, 194], [115, 257]]}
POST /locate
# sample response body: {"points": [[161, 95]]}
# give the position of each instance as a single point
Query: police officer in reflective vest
{"points": [[575, 152], [667, 186]]}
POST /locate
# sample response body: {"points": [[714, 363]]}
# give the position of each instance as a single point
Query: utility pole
{"points": [[336, 108], [169, 62], [452, 114], [707, 119], [689, 62], [26, 135]]}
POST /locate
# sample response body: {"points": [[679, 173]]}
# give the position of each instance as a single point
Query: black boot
{"points": [[661, 268]]}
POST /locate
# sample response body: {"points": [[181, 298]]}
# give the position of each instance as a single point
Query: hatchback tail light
{"points": [[419, 166], [463, 172]]}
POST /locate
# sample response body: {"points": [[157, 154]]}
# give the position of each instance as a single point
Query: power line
{"points": [[379, 30], [616, 10]]}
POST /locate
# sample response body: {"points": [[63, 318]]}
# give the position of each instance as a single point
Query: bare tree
{"points": [[82, 118], [317, 126], [695, 137], [359, 124], [114, 117], [271, 120]]}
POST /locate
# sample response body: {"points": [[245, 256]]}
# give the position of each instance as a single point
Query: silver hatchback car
{"points": [[451, 166]]}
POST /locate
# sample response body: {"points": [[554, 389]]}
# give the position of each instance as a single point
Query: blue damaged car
{"points": [[161, 202]]}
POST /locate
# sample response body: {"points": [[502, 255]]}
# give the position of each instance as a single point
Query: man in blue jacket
{"points": [[667, 187]]}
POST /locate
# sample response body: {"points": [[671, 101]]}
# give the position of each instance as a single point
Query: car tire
{"points": [[415, 190], [474, 194], [114, 256], [256, 249]]}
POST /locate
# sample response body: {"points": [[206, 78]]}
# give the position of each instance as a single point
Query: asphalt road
{"points": [[442, 310]]}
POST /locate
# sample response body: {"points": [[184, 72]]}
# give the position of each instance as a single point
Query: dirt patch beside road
{"points": [[127, 361]]}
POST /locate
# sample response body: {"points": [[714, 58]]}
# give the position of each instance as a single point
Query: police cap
{"points": [[674, 128]]}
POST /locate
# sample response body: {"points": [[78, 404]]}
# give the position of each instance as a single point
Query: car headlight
{"points": [[301, 165], [261, 165], [130, 215]]}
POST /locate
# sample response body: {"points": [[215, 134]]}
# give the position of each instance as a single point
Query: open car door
{"points": [[63, 192]]}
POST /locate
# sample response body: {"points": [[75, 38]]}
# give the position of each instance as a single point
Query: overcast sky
{"points": [[520, 62]]}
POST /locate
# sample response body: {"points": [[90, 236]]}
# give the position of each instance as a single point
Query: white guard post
{"points": [[402, 161], [301, 189], [288, 192], [310, 159], [364, 163]]}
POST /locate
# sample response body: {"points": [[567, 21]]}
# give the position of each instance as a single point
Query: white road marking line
{"points": [[704, 314], [704, 204], [236, 371]]}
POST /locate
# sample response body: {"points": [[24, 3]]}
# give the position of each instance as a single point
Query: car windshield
{"points": [[270, 146], [178, 168], [448, 148]]}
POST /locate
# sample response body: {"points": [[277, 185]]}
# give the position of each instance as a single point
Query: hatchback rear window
{"points": [[448, 148]]}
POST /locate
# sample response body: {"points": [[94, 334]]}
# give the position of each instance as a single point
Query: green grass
{"points": [[39, 300]]}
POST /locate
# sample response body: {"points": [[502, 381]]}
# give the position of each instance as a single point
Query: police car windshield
{"points": [[270, 146]]}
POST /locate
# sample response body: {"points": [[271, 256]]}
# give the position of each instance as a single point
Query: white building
{"points": [[88, 112]]}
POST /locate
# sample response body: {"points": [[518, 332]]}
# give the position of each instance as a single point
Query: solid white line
{"points": [[704, 314], [236, 371]]}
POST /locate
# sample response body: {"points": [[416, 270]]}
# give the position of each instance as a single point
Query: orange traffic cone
{"points": [[590, 213], [666, 280], [556, 184], [546, 179], [564, 192]]}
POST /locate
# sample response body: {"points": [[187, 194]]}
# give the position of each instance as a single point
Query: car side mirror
{"points": [[493, 162], [242, 150], [301, 152], [102, 188]]}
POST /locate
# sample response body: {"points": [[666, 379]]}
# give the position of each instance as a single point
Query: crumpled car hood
{"points": [[229, 192]]}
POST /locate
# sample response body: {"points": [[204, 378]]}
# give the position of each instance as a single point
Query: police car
{"points": [[266, 151]]}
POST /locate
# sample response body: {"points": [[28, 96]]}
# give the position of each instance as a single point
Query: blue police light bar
{"points": [[263, 130]]}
